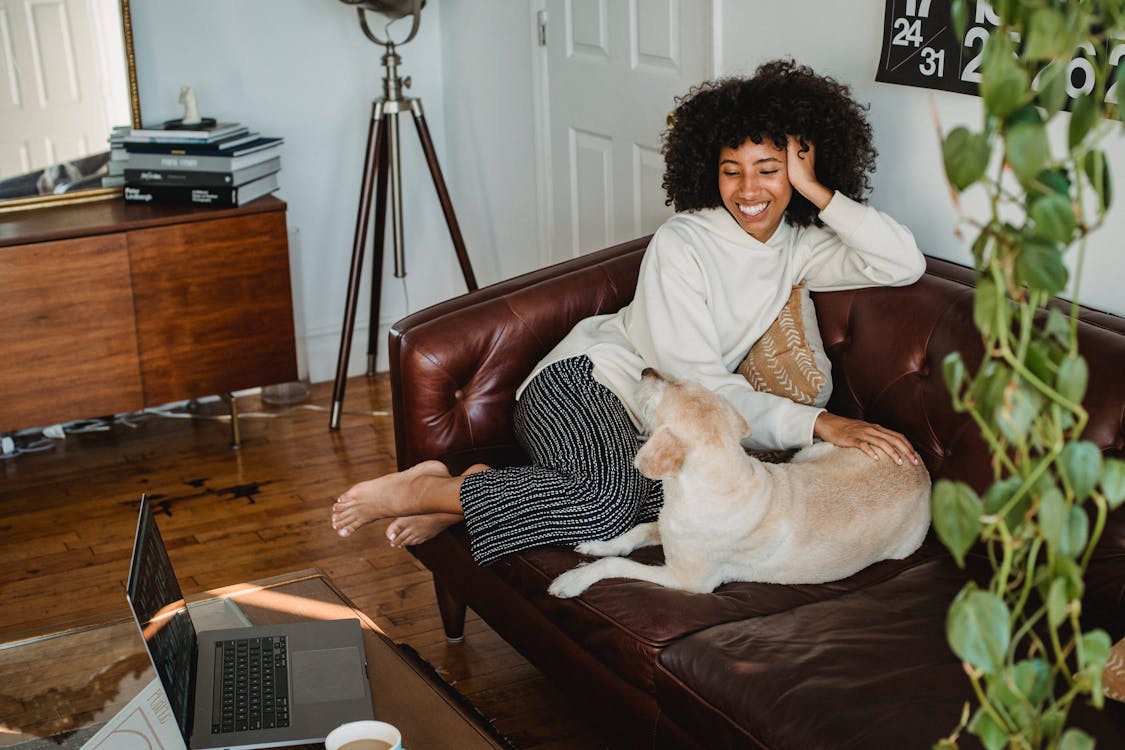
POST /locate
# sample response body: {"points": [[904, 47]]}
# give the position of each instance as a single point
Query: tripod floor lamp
{"points": [[382, 165]]}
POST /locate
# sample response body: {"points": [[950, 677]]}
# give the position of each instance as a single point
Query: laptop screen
{"points": [[158, 605]]}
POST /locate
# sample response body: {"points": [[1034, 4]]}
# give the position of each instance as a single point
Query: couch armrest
{"points": [[455, 366]]}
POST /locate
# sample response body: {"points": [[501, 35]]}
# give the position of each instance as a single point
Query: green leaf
{"points": [[1003, 82], [1057, 603], [1033, 679], [1058, 326], [1081, 464], [1047, 36], [978, 627], [1095, 651], [953, 372], [987, 302], [1039, 265], [1072, 378], [987, 388], [1039, 361], [1083, 116], [966, 155], [1119, 81], [998, 495], [956, 512], [1076, 739], [1053, 517], [1054, 217], [1027, 149], [1052, 181], [959, 16], [1052, 723], [1095, 654], [1076, 532], [1067, 569], [1052, 87], [1016, 411], [990, 734], [1113, 481], [1021, 690], [1096, 167]]}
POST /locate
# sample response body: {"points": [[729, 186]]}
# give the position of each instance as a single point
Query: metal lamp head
{"points": [[391, 10]]}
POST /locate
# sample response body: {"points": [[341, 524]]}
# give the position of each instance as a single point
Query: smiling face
{"points": [[754, 186]]}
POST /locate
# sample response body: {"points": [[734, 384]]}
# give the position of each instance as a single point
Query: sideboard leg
{"points": [[235, 434], [452, 612]]}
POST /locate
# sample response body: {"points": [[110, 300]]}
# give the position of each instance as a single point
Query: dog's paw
{"points": [[599, 548], [570, 584]]}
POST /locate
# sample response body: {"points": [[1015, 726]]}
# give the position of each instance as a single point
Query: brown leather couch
{"points": [[859, 663]]}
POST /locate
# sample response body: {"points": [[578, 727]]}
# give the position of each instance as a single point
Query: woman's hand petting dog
{"points": [[870, 438]]}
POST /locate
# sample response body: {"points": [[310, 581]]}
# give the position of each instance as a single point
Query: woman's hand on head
{"points": [[801, 168], [872, 439]]}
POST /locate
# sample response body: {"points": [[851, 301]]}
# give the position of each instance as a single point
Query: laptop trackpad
{"points": [[327, 674]]}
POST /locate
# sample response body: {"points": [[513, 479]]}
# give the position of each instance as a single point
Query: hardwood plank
{"points": [[67, 518]]}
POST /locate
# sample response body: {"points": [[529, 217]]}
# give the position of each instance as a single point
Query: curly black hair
{"points": [[780, 99]]}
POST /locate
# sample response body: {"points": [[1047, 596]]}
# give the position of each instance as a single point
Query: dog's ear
{"points": [[661, 456]]}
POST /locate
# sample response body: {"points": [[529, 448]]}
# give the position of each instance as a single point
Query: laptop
{"points": [[246, 687]]}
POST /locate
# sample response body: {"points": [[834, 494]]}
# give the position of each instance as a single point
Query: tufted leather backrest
{"points": [[455, 366]]}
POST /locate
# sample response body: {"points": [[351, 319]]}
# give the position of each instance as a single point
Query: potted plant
{"points": [[1021, 638]]}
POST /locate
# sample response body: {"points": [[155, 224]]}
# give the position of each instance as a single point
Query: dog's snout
{"points": [[650, 373]]}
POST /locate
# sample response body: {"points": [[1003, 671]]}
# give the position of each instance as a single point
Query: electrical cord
{"points": [[17, 444]]}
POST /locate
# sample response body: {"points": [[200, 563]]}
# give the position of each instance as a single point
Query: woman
{"points": [[765, 174]]}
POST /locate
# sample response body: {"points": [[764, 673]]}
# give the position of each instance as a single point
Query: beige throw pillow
{"points": [[789, 359], [1113, 677]]}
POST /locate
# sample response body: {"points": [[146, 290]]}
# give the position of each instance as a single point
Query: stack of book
{"points": [[216, 164]]}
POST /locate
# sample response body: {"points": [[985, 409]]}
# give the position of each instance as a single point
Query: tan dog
{"points": [[727, 516]]}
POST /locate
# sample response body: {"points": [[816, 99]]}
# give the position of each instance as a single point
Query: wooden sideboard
{"points": [[107, 308]]}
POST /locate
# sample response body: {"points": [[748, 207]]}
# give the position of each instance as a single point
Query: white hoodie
{"points": [[708, 290]]}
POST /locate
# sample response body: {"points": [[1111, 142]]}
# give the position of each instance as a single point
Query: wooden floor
{"points": [[67, 518]]}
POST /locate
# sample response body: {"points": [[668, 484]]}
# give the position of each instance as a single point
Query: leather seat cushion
{"points": [[868, 669], [625, 624]]}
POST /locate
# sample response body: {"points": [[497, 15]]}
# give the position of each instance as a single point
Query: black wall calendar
{"points": [[921, 48]]}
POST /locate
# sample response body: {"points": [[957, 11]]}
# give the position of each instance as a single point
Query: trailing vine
{"points": [[1021, 639]]}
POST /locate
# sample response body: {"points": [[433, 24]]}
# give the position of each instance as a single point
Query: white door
{"points": [[614, 68], [53, 74]]}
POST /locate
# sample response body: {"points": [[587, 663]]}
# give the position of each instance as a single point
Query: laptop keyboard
{"points": [[251, 685]]}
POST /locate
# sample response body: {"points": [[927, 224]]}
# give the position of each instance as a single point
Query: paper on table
{"points": [[216, 614], [146, 723]]}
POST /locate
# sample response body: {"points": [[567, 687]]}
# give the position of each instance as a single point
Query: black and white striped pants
{"points": [[581, 484]]}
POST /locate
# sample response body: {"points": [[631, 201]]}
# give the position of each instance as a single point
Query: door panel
{"points": [[613, 72]]}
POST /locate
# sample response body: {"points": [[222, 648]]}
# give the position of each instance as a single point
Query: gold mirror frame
{"points": [[94, 194]]}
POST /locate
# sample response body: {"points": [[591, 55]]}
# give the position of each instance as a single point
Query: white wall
{"points": [[303, 69], [490, 63], [844, 42]]}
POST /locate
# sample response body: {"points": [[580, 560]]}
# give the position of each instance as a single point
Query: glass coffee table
{"points": [[56, 690]]}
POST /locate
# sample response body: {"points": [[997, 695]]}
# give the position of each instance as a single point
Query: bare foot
{"points": [[383, 497], [409, 530]]}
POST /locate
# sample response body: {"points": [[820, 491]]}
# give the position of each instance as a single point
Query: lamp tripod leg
{"points": [[377, 244], [443, 197], [371, 164]]}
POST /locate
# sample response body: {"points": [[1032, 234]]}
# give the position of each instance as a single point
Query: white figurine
{"points": [[191, 110]]}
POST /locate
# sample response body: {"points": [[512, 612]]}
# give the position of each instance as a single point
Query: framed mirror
{"points": [[68, 76]]}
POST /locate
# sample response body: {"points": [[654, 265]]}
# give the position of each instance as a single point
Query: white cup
{"points": [[364, 735]]}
